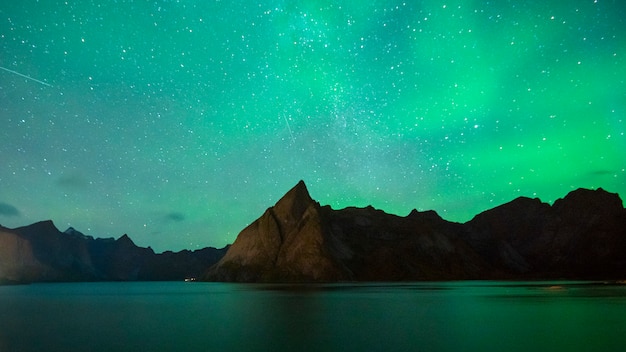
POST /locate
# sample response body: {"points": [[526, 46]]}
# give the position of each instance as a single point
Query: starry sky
{"points": [[180, 122]]}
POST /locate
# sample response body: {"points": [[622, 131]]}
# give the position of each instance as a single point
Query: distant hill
{"points": [[41, 253], [582, 236]]}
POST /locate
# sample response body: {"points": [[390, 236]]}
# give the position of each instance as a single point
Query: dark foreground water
{"points": [[173, 316]]}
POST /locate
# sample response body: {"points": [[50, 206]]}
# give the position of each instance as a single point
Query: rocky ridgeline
{"points": [[41, 253], [582, 236]]}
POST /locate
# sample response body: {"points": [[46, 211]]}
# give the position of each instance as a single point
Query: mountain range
{"points": [[41, 253], [581, 236]]}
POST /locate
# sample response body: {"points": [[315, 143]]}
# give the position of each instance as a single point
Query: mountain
{"points": [[299, 240], [286, 243], [41, 253], [581, 236]]}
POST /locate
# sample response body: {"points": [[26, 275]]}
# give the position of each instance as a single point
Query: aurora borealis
{"points": [[179, 122]]}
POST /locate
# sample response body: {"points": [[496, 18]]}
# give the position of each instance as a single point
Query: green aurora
{"points": [[179, 122]]}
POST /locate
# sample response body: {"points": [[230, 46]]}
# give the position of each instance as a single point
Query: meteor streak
{"points": [[25, 76], [293, 140]]}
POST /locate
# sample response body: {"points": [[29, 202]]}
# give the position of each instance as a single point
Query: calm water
{"points": [[457, 316]]}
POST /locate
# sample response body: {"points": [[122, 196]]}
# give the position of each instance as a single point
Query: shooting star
{"points": [[293, 140], [27, 77]]}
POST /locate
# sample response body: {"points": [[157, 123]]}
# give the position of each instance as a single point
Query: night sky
{"points": [[180, 122]]}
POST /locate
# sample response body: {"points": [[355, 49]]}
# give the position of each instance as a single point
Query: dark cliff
{"points": [[41, 253], [581, 236]]}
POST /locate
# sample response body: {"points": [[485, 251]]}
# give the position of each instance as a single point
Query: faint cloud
{"points": [[175, 216], [72, 181], [8, 210], [602, 172]]}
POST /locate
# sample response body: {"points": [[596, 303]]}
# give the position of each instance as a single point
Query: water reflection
{"points": [[362, 288], [446, 316]]}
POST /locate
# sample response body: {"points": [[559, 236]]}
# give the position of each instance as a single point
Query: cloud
{"points": [[8, 210], [72, 181], [175, 216], [602, 173]]}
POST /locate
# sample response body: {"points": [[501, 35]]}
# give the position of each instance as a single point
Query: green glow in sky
{"points": [[179, 122]]}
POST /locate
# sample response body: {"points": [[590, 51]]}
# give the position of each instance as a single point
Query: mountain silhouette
{"points": [[582, 236], [41, 253]]}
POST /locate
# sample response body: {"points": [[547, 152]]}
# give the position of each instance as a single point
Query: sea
{"points": [[416, 316]]}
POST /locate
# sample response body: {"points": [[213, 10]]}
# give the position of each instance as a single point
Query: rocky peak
{"points": [[519, 206], [294, 203], [41, 227], [585, 201], [72, 232], [126, 241], [287, 243], [424, 215]]}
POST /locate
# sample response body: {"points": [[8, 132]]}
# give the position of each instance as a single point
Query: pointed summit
{"points": [[285, 244], [126, 240], [299, 192], [294, 203]]}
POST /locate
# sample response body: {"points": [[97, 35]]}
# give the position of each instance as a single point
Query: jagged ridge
{"points": [[581, 236], [41, 253]]}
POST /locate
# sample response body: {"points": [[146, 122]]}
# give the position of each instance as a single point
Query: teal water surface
{"points": [[177, 316]]}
